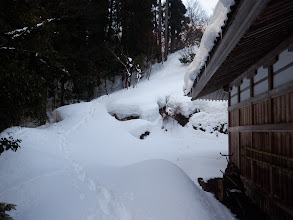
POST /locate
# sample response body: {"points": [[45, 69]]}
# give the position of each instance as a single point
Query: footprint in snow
{"points": [[82, 196]]}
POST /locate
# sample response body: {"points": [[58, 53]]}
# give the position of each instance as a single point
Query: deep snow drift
{"points": [[90, 165]]}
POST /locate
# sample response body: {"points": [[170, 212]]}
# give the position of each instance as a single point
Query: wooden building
{"points": [[251, 66]]}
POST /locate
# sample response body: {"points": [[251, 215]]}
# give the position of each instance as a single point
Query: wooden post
{"points": [[220, 190], [251, 87], [238, 93], [271, 77]]}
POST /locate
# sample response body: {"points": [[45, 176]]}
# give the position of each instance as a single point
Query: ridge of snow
{"points": [[212, 31]]}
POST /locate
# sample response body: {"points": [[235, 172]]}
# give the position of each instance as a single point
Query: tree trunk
{"points": [[172, 40], [106, 86], [110, 30], [166, 30], [126, 80], [160, 32], [62, 93]]}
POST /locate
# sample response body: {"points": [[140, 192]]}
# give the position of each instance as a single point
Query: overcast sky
{"points": [[208, 5]]}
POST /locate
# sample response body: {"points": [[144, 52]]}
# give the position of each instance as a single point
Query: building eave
{"points": [[249, 21]]}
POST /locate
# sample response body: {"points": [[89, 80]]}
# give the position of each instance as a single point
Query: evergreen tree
{"points": [[176, 19], [55, 52]]}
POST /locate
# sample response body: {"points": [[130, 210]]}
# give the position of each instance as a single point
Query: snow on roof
{"points": [[212, 31]]}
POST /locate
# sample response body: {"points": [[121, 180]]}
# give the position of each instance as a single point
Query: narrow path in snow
{"points": [[110, 206]]}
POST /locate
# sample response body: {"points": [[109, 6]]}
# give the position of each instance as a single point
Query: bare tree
{"points": [[196, 13], [193, 30]]}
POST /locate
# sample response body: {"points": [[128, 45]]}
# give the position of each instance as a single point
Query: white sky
{"points": [[208, 5]]}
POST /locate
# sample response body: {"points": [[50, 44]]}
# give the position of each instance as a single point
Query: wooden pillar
{"points": [[252, 86], [238, 94]]}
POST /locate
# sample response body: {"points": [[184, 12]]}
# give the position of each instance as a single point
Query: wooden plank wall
{"points": [[261, 141]]}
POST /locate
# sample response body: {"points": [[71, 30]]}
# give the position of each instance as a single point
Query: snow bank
{"points": [[91, 166], [212, 31], [158, 186]]}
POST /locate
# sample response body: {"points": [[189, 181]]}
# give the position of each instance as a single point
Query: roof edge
{"points": [[246, 15]]}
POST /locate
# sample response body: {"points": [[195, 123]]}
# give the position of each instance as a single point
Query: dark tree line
{"points": [[56, 52]]}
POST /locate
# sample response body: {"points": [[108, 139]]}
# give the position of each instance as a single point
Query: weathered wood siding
{"points": [[261, 134]]}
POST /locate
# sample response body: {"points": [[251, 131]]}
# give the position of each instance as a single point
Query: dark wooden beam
{"points": [[282, 127], [287, 88]]}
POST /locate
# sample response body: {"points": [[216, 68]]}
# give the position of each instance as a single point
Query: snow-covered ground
{"points": [[90, 165]]}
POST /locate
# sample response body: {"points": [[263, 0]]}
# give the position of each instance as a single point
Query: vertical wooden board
{"points": [[234, 146], [245, 139], [271, 182], [273, 108], [286, 108], [244, 163], [291, 107], [234, 118], [241, 116], [283, 108], [277, 110], [266, 178], [276, 143], [253, 171], [245, 116], [278, 186], [252, 114], [290, 151], [290, 189], [268, 107], [260, 140], [270, 110], [261, 113]]}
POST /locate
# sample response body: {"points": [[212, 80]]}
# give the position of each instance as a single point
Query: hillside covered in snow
{"points": [[121, 156]]}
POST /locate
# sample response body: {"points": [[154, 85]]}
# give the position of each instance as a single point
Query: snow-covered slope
{"points": [[90, 165]]}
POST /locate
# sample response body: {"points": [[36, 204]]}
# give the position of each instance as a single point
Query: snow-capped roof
{"points": [[249, 31], [213, 30]]}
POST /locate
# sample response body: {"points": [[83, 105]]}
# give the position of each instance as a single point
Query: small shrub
{"points": [[187, 58], [10, 143], [4, 207]]}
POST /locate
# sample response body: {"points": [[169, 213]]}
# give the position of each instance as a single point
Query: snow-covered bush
{"points": [[218, 128], [171, 109], [187, 54]]}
